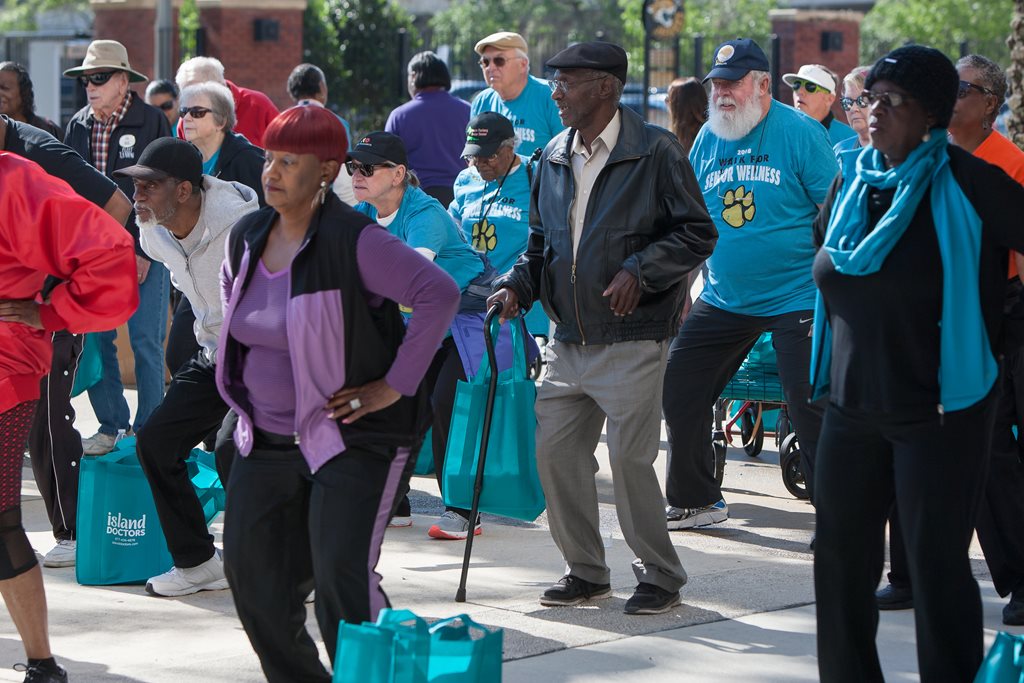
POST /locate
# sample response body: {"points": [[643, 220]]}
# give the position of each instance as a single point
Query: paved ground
{"points": [[747, 610]]}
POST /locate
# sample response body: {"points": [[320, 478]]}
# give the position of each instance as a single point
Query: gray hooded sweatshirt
{"points": [[195, 261]]}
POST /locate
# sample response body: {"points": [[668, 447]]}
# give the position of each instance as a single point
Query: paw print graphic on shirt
{"points": [[484, 237], [738, 206]]}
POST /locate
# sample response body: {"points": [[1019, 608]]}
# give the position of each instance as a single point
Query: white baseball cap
{"points": [[812, 74]]}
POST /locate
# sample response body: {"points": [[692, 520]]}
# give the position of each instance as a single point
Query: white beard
{"points": [[735, 124], [155, 221]]}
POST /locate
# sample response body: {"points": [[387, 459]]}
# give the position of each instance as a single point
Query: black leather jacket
{"points": [[646, 215]]}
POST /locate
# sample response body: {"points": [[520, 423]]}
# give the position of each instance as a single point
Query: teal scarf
{"points": [[967, 369]]}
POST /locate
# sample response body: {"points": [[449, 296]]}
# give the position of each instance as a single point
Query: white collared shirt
{"points": [[585, 168]]}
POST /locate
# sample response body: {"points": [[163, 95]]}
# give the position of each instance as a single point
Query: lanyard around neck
{"points": [[497, 192]]}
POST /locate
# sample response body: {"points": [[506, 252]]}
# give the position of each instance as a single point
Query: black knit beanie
{"points": [[925, 73]]}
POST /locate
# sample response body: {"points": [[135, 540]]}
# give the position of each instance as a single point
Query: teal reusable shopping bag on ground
{"points": [[119, 536], [511, 485], [463, 651], [1004, 662], [395, 649]]}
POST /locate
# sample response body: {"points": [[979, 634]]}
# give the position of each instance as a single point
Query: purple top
{"points": [[316, 332], [259, 324], [433, 127]]}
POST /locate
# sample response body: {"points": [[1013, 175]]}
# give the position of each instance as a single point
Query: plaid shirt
{"points": [[101, 132]]}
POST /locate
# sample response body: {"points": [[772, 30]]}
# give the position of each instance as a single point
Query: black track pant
{"points": [[53, 442]]}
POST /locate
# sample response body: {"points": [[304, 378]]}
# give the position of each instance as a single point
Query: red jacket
{"points": [[254, 112], [47, 229]]}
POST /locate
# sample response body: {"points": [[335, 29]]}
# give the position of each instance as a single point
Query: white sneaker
{"points": [[691, 518], [99, 444], [62, 555], [451, 526], [209, 576]]}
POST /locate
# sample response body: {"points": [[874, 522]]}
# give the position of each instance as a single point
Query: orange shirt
{"points": [[1000, 152]]}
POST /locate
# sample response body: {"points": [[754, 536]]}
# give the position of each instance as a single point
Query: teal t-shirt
{"points": [[839, 131], [503, 233], [208, 166], [533, 114], [763, 192], [423, 222]]}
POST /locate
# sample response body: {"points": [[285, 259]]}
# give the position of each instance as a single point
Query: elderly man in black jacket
{"points": [[617, 222], [111, 132]]}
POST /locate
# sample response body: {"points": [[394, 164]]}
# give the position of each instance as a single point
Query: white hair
{"points": [[199, 70], [736, 124], [222, 104]]}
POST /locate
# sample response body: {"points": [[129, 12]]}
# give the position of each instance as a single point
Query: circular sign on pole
{"points": [[664, 19]]}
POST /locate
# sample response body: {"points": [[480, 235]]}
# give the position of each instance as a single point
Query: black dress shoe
{"points": [[893, 597], [572, 590], [1013, 612], [651, 599]]}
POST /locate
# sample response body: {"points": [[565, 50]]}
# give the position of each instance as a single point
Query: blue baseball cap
{"points": [[734, 59]]}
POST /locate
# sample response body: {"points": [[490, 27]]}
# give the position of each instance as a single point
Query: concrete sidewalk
{"points": [[746, 613]]}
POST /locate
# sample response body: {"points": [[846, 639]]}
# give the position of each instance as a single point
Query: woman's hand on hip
{"points": [[352, 403]]}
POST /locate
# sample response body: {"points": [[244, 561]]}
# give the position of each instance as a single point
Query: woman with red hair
{"points": [[324, 376]]}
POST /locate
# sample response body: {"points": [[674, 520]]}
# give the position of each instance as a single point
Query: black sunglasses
{"points": [[811, 88], [96, 79], [194, 112], [965, 89], [499, 61], [847, 103], [166, 106], [889, 99], [365, 170]]}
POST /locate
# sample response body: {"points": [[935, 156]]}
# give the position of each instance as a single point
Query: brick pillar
{"points": [[231, 37], [824, 37], [129, 22]]}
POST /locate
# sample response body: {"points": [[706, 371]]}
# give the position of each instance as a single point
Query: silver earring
{"points": [[323, 192], [927, 135]]}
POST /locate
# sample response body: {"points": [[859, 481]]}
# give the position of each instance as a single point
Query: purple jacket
{"points": [[344, 327]]}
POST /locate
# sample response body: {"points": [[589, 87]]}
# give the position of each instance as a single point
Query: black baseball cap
{"points": [[167, 158], [596, 55], [734, 59], [380, 148], [485, 134]]}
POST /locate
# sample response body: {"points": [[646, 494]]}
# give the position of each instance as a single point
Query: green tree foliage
{"points": [[942, 24], [714, 20], [188, 25], [20, 15], [358, 45]]}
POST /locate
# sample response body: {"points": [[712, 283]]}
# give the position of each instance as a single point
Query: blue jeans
{"points": [[146, 331]]}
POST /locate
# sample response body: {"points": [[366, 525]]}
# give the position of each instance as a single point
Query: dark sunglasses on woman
{"points": [[194, 112], [166, 106], [847, 103], [365, 170], [967, 86], [96, 79]]}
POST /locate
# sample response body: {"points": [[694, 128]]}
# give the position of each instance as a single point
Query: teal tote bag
{"points": [[395, 649], [463, 651], [1004, 662], [511, 486], [119, 536]]}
